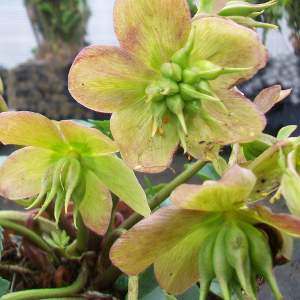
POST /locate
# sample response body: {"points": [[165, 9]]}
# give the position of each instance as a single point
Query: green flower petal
{"points": [[131, 129], [169, 230], [86, 140], [228, 44], [109, 78], [22, 171], [261, 214], [154, 30], [243, 123], [30, 129], [231, 192], [96, 206], [266, 169], [119, 179]]}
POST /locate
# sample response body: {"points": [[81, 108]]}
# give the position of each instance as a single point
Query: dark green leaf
{"points": [[207, 172], [103, 126], [4, 285]]}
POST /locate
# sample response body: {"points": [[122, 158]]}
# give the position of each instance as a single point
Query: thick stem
{"points": [[18, 216], [30, 236], [36, 294], [165, 192], [82, 235]]}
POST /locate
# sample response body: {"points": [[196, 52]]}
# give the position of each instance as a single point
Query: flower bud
{"points": [[172, 71], [241, 8]]}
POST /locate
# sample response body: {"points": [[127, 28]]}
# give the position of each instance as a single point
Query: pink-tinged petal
{"points": [[230, 192], [154, 30], [21, 173], [283, 222], [96, 206], [86, 140], [132, 130], [109, 78], [30, 129], [266, 169], [211, 6], [120, 179], [170, 233], [243, 123], [268, 97], [227, 44]]}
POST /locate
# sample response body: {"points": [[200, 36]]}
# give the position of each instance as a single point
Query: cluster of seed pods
{"points": [[235, 253]]}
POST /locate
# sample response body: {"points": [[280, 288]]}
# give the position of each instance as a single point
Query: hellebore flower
{"points": [[170, 82], [210, 224], [66, 160]]}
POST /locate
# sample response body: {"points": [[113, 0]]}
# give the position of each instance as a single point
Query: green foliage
{"points": [[4, 284], [103, 126], [208, 172], [57, 241], [61, 24]]}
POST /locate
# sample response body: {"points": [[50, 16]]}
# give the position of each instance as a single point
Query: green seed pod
{"points": [[176, 105], [181, 57], [206, 116], [57, 182], [250, 23], [188, 92], [203, 86], [241, 8], [211, 71], [171, 70], [46, 185], [168, 86], [260, 256], [73, 177], [77, 197], [153, 91], [191, 75], [192, 107], [59, 204], [205, 263], [223, 269], [237, 253], [159, 110]]}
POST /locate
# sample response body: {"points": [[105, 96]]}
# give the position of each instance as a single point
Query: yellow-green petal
{"points": [[22, 171], [88, 141], [109, 78], [154, 30], [242, 124], [119, 179], [231, 192], [156, 236], [30, 129], [96, 206], [132, 130], [227, 44]]}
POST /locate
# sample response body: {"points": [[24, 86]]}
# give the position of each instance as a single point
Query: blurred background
{"points": [[40, 39]]}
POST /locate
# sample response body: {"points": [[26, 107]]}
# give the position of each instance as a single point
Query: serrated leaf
{"points": [[103, 126], [285, 132], [4, 285], [55, 237], [51, 242], [192, 292], [215, 288], [147, 282]]}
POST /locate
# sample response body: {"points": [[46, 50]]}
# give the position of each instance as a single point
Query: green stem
{"points": [[31, 236], [18, 216], [165, 192], [82, 235], [115, 201], [36, 294]]}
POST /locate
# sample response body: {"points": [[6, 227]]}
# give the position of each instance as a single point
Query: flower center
{"points": [[182, 89]]}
